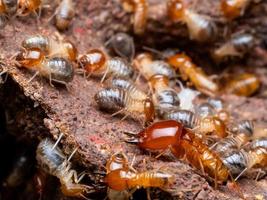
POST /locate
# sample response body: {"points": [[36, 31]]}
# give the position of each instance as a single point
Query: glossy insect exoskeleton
{"points": [[119, 100], [26, 7], [123, 45], [51, 47], [55, 69], [242, 85], [128, 85], [139, 7], [52, 160], [64, 14], [8, 7], [205, 110], [125, 179], [240, 162], [164, 97], [261, 142], [229, 143], [237, 46], [201, 157], [186, 117], [245, 126], [158, 136], [196, 75], [96, 63], [200, 27], [148, 67], [232, 9]]}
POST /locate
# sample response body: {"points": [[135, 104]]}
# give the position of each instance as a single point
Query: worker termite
{"points": [[164, 97], [232, 9], [139, 7], [51, 47], [261, 142], [52, 160], [148, 67], [123, 45], [64, 14], [26, 7], [237, 46], [244, 84], [115, 99], [200, 27], [186, 117], [196, 75], [96, 63], [240, 162], [55, 69], [229, 143], [128, 85], [8, 7]]}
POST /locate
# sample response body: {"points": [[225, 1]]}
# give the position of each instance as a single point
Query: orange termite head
{"points": [[30, 58], [93, 60], [158, 79], [175, 10], [71, 49], [179, 60], [219, 127], [149, 110], [117, 161], [233, 8], [27, 6]]}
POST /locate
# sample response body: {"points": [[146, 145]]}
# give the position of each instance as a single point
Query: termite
{"points": [[261, 142], [123, 45], [186, 117], [139, 7], [64, 14], [196, 75], [51, 47], [128, 85], [200, 27], [237, 46], [52, 160], [148, 67], [241, 161], [232, 9], [119, 100], [55, 69], [164, 97], [96, 63], [244, 84], [221, 111], [201, 157], [26, 7], [8, 7]]}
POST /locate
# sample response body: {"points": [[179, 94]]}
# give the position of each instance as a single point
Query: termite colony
{"points": [[179, 106]]}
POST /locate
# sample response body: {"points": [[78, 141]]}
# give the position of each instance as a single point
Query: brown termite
{"points": [[232, 9], [241, 161], [123, 45], [237, 46], [128, 85], [148, 67], [244, 84], [96, 63], [120, 101], [55, 69], [26, 7], [200, 27], [139, 8], [64, 14], [52, 160], [164, 97], [8, 7], [196, 75], [51, 47]]}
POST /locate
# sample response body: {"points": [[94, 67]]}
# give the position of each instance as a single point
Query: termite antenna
{"points": [[153, 51], [59, 138], [72, 154], [241, 173], [180, 84]]}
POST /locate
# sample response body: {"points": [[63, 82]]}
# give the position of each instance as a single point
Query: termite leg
{"points": [[162, 152], [56, 143], [35, 74], [148, 194]]}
